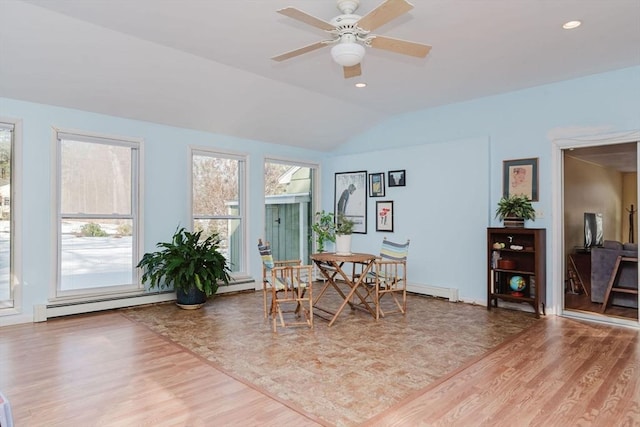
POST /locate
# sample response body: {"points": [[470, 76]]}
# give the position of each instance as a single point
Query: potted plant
{"points": [[344, 228], [324, 229], [514, 210], [191, 265]]}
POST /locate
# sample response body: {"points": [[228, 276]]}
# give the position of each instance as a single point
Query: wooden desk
{"points": [[330, 265]]}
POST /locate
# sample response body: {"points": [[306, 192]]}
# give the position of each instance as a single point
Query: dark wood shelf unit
{"points": [[530, 263]]}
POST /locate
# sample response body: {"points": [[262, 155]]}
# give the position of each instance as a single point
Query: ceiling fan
{"points": [[350, 33]]}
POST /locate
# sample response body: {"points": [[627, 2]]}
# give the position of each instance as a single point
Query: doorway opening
{"points": [[289, 189], [598, 197]]}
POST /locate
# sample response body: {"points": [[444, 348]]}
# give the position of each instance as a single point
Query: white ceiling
{"points": [[205, 64]]}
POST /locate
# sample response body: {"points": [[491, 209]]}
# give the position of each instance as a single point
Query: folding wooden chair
{"points": [[291, 296], [389, 277], [268, 264]]}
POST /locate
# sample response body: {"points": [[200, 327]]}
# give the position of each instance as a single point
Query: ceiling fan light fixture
{"points": [[347, 54]]}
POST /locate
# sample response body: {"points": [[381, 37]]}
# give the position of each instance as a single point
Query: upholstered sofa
{"points": [[603, 260]]}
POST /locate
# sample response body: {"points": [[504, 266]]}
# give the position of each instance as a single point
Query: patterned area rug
{"points": [[344, 374]]}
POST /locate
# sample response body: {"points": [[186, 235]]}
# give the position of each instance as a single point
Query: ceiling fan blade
{"points": [[401, 46], [294, 13], [353, 71], [385, 12], [300, 51]]}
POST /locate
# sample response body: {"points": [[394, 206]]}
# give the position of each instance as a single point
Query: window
{"points": [[98, 215], [7, 241], [218, 202]]}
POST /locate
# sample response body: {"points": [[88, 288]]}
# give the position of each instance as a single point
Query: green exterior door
{"points": [[283, 230]]}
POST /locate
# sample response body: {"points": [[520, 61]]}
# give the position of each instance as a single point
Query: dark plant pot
{"points": [[190, 299], [512, 222]]}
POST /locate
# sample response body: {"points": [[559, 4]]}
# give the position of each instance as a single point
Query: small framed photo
{"points": [[376, 184], [520, 177], [397, 178], [384, 216]]}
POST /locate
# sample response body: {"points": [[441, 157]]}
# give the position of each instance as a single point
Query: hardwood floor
{"points": [[104, 370], [582, 302], [109, 370], [560, 372], [578, 289]]}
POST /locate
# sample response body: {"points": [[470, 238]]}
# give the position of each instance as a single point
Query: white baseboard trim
{"points": [[237, 287], [437, 291], [42, 312]]}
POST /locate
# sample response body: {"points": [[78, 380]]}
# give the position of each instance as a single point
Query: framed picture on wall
{"points": [[384, 216], [397, 178], [376, 184], [350, 198], [519, 177]]}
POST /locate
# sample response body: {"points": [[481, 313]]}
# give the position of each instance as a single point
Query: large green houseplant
{"points": [[193, 266], [514, 210]]}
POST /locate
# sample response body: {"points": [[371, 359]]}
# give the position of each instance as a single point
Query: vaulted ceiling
{"points": [[206, 64]]}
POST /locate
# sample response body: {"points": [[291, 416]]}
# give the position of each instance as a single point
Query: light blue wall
{"points": [[520, 124], [446, 188], [166, 159], [453, 157]]}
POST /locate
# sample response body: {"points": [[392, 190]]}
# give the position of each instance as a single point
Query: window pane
{"points": [[96, 178], [97, 193], [96, 253], [230, 233], [215, 185], [5, 215]]}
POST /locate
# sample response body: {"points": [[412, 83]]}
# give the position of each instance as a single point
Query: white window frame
{"points": [[240, 277], [14, 305], [126, 289]]}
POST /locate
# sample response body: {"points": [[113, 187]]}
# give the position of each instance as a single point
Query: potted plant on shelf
{"points": [[324, 229], [514, 210], [192, 266], [344, 228]]}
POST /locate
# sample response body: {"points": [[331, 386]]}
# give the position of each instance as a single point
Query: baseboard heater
{"points": [[437, 291], [42, 312]]}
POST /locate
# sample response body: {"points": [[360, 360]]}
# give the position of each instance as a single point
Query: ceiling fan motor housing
{"points": [[348, 6]]}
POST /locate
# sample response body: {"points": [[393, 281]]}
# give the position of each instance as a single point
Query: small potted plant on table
{"points": [[344, 229]]}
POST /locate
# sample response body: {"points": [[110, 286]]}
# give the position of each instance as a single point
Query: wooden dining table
{"points": [[331, 265]]}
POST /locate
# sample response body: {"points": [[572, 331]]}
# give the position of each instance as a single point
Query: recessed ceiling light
{"points": [[361, 85], [571, 25]]}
